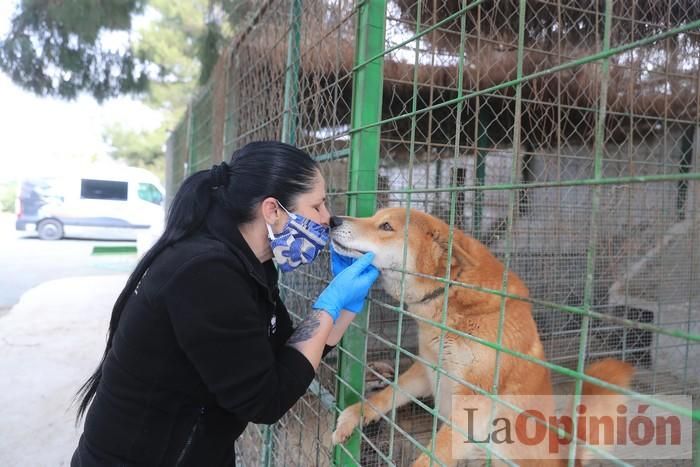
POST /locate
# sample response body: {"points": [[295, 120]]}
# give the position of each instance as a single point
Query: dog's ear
{"points": [[460, 254]]}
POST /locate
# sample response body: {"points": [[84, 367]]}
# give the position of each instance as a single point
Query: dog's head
{"points": [[387, 234]]}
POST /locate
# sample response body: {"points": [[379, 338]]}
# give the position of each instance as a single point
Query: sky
{"points": [[53, 134]]}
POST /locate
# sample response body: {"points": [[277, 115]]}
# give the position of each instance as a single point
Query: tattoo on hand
{"points": [[306, 329]]}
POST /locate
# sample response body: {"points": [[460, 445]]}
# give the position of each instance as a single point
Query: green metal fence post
{"points": [[225, 104], [267, 446], [232, 109], [483, 141], [686, 163], [363, 168], [598, 154], [190, 139], [291, 79]]}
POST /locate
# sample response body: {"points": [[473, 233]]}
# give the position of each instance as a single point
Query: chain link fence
{"points": [[562, 135]]}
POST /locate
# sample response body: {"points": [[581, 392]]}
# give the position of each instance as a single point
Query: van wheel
{"points": [[50, 229]]}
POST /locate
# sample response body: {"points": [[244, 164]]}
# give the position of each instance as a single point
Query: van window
{"points": [[103, 189], [150, 193]]}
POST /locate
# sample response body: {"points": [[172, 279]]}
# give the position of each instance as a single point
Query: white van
{"points": [[120, 203]]}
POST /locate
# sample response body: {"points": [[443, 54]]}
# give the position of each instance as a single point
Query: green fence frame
{"points": [[364, 166], [364, 158]]}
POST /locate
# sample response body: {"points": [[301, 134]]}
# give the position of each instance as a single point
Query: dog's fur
{"points": [[470, 311]]}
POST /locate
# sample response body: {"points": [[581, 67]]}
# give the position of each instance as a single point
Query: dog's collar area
{"points": [[432, 295]]}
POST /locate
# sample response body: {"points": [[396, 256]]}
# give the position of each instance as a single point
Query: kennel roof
{"points": [[653, 81]]}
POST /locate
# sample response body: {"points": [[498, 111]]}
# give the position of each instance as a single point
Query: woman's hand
{"points": [[350, 286], [348, 291], [339, 262]]}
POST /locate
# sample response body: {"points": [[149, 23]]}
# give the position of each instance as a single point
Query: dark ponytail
{"points": [[256, 171]]}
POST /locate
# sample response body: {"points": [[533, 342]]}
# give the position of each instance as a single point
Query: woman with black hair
{"points": [[199, 342]]}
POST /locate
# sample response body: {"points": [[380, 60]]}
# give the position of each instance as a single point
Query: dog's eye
{"points": [[386, 227]]}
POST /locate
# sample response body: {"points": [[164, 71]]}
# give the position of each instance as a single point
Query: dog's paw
{"points": [[423, 461], [372, 381], [347, 421]]}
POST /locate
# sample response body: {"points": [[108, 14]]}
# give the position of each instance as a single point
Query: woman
{"points": [[199, 341]]}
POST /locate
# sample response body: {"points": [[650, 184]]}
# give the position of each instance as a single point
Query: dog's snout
{"points": [[336, 222]]}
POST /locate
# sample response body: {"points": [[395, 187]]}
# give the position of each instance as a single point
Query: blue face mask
{"points": [[299, 243]]}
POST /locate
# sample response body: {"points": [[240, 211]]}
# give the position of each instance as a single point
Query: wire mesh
{"points": [[257, 76], [647, 131], [290, 79], [561, 135]]}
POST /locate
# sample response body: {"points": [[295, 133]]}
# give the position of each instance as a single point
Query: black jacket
{"points": [[199, 352]]}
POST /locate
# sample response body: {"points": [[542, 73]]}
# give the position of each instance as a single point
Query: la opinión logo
{"points": [[543, 427]]}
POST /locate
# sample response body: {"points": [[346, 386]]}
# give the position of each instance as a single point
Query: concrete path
{"points": [[50, 342]]}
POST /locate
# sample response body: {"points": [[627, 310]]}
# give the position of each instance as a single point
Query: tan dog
{"points": [[470, 311]]}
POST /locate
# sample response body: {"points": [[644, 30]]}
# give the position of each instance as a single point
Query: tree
{"points": [[138, 148], [172, 43], [61, 48], [8, 193], [58, 48]]}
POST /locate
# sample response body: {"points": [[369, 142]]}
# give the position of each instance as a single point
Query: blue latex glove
{"points": [[339, 262], [349, 288]]}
